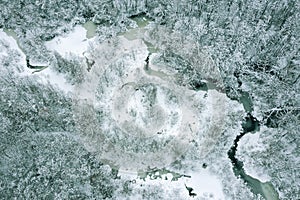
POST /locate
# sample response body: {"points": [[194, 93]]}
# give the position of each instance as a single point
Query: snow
{"points": [[56, 79], [191, 116], [119, 98], [248, 144], [132, 54], [12, 43], [46, 76], [204, 184], [74, 42], [35, 63], [125, 174], [87, 90]]}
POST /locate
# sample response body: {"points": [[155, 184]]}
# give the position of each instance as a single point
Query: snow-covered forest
{"points": [[137, 99]]}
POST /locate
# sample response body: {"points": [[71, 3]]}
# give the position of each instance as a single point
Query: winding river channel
{"points": [[250, 126]]}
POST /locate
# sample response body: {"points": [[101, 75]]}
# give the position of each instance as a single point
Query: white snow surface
{"points": [[205, 185], [49, 76], [74, 42]]}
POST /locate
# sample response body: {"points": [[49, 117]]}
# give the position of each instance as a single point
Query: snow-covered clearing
{"points": [[204, 184], [74, 42]]}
